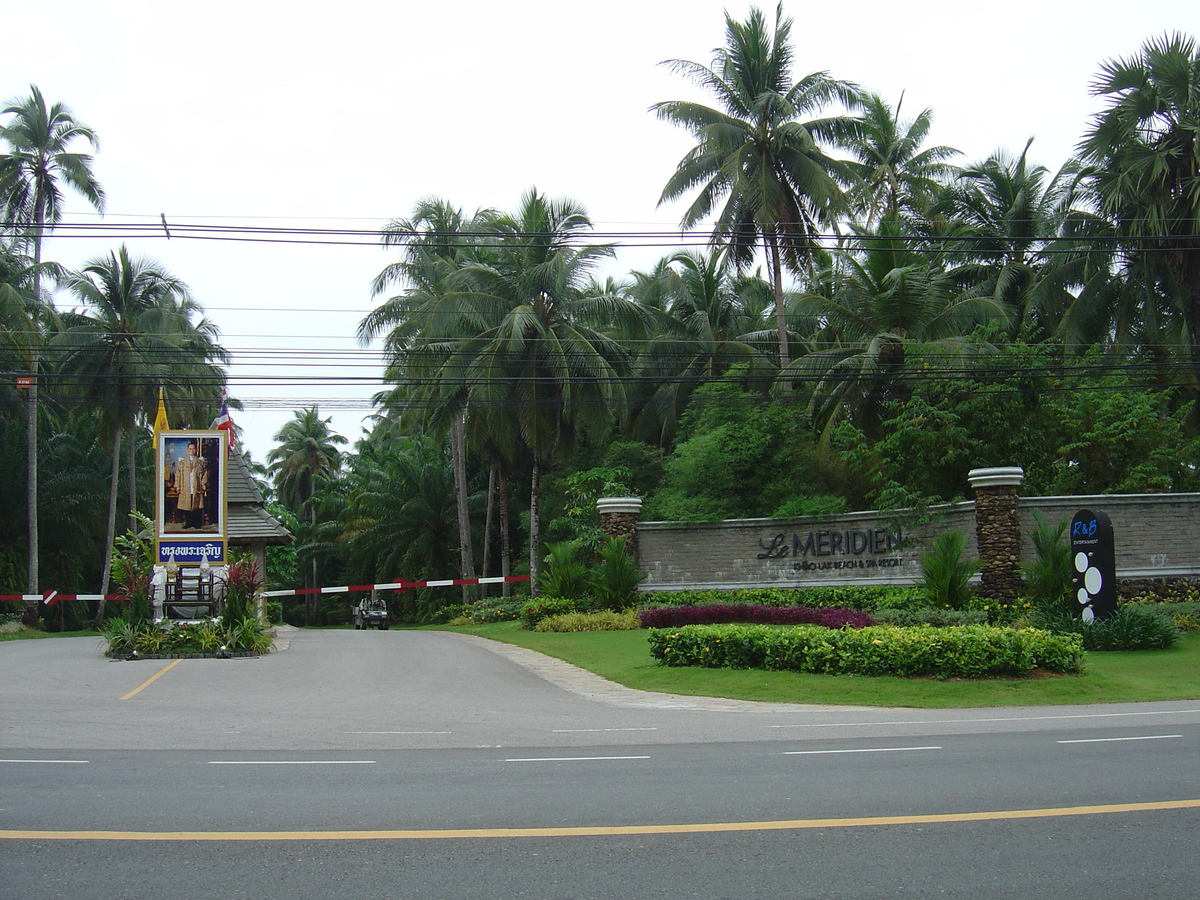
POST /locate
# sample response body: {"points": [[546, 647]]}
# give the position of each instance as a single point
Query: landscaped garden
{"points": [[935, 644]]}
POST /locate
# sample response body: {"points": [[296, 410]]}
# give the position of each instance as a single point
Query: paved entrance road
{"points": [[380, 764], [363, 690]]}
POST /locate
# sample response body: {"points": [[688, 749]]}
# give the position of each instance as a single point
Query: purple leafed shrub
{"points": [[828, 616]]}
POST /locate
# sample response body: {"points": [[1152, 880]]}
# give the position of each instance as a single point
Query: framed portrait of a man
{"points": [[191, 496]]}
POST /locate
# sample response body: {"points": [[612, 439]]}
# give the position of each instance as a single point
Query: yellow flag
{"points": [[160, 420]]}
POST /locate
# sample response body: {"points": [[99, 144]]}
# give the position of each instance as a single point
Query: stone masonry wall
{"points": [[1157, 537]]}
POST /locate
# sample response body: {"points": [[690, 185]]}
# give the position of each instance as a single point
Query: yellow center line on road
{"points": [[592, 831], [149, 681]]}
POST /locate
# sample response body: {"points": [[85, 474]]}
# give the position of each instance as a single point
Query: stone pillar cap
{"points": [[1002, 476], [607, 505]]}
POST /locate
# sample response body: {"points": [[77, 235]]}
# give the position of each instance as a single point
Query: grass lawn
{"points": [[27, 634], [1113, 677]]}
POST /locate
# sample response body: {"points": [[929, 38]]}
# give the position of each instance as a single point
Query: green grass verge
{"points": [[29, 634], [1112, 677]]}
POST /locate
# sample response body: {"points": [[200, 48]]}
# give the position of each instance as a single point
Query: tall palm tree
{"points": [[541, 358], [38, 161], [422, 324], [754, 156], [1144, 156], [1003, 214], [893, 175], [137, 333], [307, 454]]}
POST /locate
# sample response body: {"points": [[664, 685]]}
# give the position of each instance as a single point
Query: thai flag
{"points": [[224, 423]]}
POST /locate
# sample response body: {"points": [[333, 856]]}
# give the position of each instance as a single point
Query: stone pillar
{"points": [[998, 530], [619, 518]]}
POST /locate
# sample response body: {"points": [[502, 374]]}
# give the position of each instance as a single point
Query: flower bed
{"points": [[967, 651], [714, 614]]}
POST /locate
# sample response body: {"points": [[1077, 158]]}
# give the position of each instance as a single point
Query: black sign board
{"points": [[1094, 565]]}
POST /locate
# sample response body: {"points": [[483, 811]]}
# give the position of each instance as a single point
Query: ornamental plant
{"points": [[945, 575]]}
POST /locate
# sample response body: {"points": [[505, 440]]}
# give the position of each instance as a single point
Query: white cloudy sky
{"points": [[344, 114]]}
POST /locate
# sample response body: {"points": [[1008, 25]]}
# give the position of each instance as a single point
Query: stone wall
{"points": [[1157, 537]]}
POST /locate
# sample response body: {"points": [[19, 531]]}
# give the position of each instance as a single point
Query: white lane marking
{"points": [[396, 732], [291, 762], [1144, 737], [589, 730], [73, 762], [1162, 712], [572, 758], [860, 750]]}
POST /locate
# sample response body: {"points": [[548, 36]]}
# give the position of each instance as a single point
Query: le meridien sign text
{"points": [[849, 549]]}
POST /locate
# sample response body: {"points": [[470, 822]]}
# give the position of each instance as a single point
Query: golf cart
{"points": [[371, 613]]}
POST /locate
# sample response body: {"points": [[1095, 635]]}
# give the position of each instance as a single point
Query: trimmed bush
{"points": [[966, 651], [485, 612], [533, 611], [827, 617], [600, 620]]}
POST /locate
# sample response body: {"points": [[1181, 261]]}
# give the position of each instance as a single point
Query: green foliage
{"points": [[565, 573], [745, 456], [579, 521], [1130, 628], [930, 615], [598, 620], [966, 651], [1048, 577], [485, 612], [533, 611], [274, 610], [945, 575], [615, 578], [182, 638]]}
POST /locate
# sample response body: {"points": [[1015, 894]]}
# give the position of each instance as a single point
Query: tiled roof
{"points": [[249, 522]]}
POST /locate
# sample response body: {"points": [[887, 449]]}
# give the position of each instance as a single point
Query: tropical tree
{"points": [[1143, 151], [307, 455], [541, 358], [890, 304], [756, 158], [399, 517], [422, 323], [138, 332], [712, 321], [1003, 213], [33, 171], [893, 175]]}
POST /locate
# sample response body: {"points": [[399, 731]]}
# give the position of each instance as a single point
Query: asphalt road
{"points": [[417, 764]]}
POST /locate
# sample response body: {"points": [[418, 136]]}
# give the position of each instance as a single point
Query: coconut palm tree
{"points": [[307, 455], [891, 304], [542, 358], [893, 175], [1143, 151], [138, 331], [37, 164], [712, 321], [422, 324], [758, 164], [1003, 214]]}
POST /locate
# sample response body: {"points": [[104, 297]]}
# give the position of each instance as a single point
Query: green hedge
{"points": [[965, 651], [533, 611], [865, 597]]}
